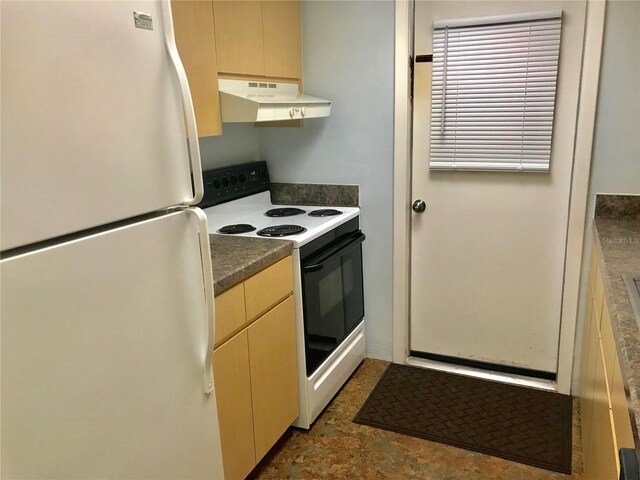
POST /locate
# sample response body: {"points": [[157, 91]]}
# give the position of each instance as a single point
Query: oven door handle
{"points": [[342, 247]]}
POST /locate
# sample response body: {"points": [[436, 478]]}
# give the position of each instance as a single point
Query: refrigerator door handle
{"points": [[187, 105], [207, 274]]}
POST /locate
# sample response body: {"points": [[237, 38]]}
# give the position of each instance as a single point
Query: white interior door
{"points": [[487, 255], [92, 120], [103, 345]]}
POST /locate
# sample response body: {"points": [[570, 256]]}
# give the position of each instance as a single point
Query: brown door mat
{"points": [[517, 423]]}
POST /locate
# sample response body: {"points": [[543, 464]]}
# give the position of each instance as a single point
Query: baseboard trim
{"points": [[492, 375]]}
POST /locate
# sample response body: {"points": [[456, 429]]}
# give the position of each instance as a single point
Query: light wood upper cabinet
{"points": [[195, 39], [281, 27], [258, 39], [239, 37]]}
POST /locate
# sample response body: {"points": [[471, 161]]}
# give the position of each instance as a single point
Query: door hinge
{"points": [[412, 65], [411, 68]]}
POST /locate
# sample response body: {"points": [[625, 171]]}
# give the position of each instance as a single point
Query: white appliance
{"points": [[251, 211], [334, 240], [106, 293], [253, 101]]}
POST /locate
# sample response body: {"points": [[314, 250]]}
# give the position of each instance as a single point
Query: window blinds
{"points": [[493, 92]]}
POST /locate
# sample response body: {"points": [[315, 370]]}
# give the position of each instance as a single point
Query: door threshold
{"points": [[508, 378]]}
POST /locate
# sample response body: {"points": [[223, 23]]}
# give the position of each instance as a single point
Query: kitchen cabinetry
{"points": [[255, 366], [239, 37], [281, 27], [195, 39], [235, 412], [606, 425], [238, 40], [260, 39]]}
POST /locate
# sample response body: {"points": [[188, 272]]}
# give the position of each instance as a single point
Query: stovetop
{"points": [[251, 211]]}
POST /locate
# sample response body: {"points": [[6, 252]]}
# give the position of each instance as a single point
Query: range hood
{"points": [[249, 101]]}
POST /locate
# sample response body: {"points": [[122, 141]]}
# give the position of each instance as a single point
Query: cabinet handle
{"points": [[207, 274], [341, 248], [187, 104]]}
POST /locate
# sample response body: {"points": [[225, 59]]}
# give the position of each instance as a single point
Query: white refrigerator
{"points": [[106, 306]]}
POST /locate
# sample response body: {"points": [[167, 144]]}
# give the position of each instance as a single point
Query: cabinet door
{"points": [[587, 386], [274, 385], [195, 39], [601, 459], [239, 38], [586, 336], [620, 411], [233, 395], [281, 26]]}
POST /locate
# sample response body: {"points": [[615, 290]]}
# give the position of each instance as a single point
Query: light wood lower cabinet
{"points": [[235, 412], [274, 385], [255, 370], [606, 425], [267, 288], [230, 313], [601, 456], [620, 410]]}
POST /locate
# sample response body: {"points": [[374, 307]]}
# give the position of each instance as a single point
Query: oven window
{"points": [[333, 287], [333, 304]]}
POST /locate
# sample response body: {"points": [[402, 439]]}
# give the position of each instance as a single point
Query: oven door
{"points": [[333, 297]]}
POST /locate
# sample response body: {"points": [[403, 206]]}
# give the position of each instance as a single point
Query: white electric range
{"points": [[249, 217], [327, 273]]}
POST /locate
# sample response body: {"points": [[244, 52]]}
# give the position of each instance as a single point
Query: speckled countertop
{"points": [[618, 245], [235, 259]]}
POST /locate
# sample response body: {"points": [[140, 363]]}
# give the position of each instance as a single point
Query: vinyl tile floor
{"points": [[337, 448]]}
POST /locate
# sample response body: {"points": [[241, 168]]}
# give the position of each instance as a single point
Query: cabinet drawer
{"points": [[274, 377], [230, 313], [232, 381], [268, 288]]}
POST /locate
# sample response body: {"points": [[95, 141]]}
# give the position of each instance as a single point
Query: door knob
{"points": [[419, 206]]}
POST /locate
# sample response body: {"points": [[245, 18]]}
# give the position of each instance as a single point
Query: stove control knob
{"points": [[234, 180], [216, 184], [241, 178], [419, 206], [225, 182]]}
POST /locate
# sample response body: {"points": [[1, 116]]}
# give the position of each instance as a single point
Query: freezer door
{"points": [[103, 345], [93, 128]]}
